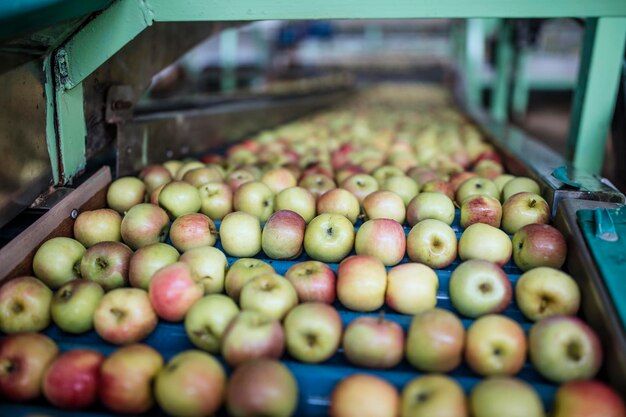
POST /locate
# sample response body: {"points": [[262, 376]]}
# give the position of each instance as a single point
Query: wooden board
{"points": [[16, 257]]}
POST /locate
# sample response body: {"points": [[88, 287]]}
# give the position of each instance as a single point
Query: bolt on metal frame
{"points": [[114, 27]]}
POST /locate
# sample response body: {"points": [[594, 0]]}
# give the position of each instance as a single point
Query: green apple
{"points": [[425, 205], [373, 342], [519, 185], [361, 283], [240, 234], [24, 305], [361, 185], [107, 264], [153, 176], [433, 243], [384, 205], [93, 226], [329, 237], [283, 235], [241, 272], [297, 199], [505, 396], [207, 319], [403, 186], [208, 266], [543, 292], [523, 209], [145, 224], [254, 198], [433, 396], [147, 260], [411, 288], [481, 241], [57, 261], [271, 294], [124, 193], [475, 186], [74, 305], [313, 332], [501, 180], [339, 201], [179, 198], [192, 384], [361, 395], [217, 200]]}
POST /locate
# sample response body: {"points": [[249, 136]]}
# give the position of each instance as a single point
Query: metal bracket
{"points": [[120, 104]]}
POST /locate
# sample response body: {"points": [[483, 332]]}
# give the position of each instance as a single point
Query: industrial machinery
{"points": [[74, 76]]}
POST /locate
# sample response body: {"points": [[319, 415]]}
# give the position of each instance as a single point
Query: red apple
{"points": [[147, 260], [314, 281], [71, 380], [587, 399], [124, 315], [361, 185], [283, 235], [383, 239], [339, 201], [373, 342], [384, 205], [279, 179], [438, 186], [107, 263], [144, 224], [361, 283], [173, 291], [154, 176], [536, 245], [481, 208], [193, 230], [317, 184], [203, 175], [24, 357]]}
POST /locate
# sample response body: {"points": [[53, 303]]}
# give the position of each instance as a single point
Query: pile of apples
{"points": [[362, 201]]}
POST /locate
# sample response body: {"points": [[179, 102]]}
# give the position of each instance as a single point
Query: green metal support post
{"points": [[473, 60], [594, 101], [520, 89], [500, 96], [228, 60]]}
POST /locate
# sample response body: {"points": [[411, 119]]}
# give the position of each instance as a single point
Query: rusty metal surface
{"points": [[24, 162]]}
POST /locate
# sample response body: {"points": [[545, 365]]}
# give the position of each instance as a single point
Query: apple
{"points": [[481, 241], [240, 234], [93, 226], [488, 168], [347, 170], [519, 185], [283, 235], [313, 332], [107, 263], [71, 380], [329, 237], [126, 378], [206, 321], [403, 186], [252, 335], [481, 209], [153, 176], [296, 199], [24, 357], [587, 399], [313, 281], [373, 342], [203, 175], [239, 177], [216, 200], [74, 305], [479, 287], [57, 261], [123, 193], [143, 225], [457, 179], [477, 186], [208, 267], [564, 348], [317, 184], [411, 288], [270, 294], [339, 201], [433, 243], [384, 205], [147, 260], [186, 167], [421, 175], [361, 395], [430, 206], [433, 396], [383, 239], [501, 180], [438, 186], [193, 230], [361, 185], [154, 195], [241, 272], [361, 283], [386, 171], [24, 305], [434, 342], [172, 166], [193, 383], [254, 198], [522, 209], [124, 315], [279, 179], [495, 345], [179, 198], [536, 245], [504, 396], [262, 387], [173, 290], [543, 292]]}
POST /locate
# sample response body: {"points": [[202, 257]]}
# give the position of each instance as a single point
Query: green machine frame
{"points": [[107, 31]]}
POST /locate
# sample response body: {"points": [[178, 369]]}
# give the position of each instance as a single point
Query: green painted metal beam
{"points": [[500, 97], [473, 61], [202, 10], [594, 101], [521, 86]]}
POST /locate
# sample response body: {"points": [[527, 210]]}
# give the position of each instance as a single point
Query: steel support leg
{"points": [[228, 60], [500, 97], [594, 101]]}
